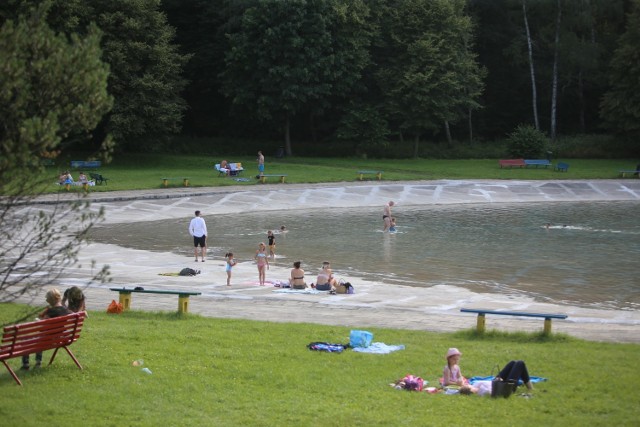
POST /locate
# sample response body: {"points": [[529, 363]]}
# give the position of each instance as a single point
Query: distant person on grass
{"points": [[260, 163], [55, 309], [198, 229]]}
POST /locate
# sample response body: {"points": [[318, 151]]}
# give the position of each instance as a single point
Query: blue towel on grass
{"points": [[533, 379], [379, 348]]}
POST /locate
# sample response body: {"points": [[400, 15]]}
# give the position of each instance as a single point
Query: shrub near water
{"points": [[236, 372]]}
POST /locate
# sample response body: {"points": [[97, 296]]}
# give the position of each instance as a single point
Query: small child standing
{"points": [[451, 374], [272, 244], [392, 227], [229, 266]]}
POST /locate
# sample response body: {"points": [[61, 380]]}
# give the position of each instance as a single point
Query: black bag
{"points": [[189, 272], [502, 388]]}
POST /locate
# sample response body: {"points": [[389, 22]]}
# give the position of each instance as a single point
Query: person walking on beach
{"points": [[262, 260], [198, 229], [386, 215], [260, 163]]}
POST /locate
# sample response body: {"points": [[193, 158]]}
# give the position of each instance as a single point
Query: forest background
{"points": [[378, 78]]}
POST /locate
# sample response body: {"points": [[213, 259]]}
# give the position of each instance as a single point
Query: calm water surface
{"points": [[588, 257]]}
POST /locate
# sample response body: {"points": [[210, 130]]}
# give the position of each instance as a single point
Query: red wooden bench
{"points": [[512, 163], [48, 334]]}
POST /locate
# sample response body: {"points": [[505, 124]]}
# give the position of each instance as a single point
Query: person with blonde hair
{"points": [[262, 260], [55, 309]]}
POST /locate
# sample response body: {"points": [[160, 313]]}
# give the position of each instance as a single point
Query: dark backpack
{"points": [[188, 272]]}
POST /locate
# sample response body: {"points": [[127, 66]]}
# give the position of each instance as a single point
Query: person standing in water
{"points": [[386, 215], [271, 241]]}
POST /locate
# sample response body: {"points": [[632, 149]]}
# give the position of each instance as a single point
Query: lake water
{"points": [[588, 257]]}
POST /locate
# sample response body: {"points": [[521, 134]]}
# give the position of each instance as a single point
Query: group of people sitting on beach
{"points": [[325, 281]]}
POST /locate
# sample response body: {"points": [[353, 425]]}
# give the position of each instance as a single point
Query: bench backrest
{"points": [[77, 164], [47, 334], [514, 162]]}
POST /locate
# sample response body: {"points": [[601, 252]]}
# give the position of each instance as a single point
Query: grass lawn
{"points": [[220, 372], [145, 171]]}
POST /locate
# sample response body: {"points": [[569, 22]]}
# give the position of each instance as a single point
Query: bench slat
{"points": [[514, 313], [482, 312]]}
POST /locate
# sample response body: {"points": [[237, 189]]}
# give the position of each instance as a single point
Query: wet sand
{"points": [[375, 304]]}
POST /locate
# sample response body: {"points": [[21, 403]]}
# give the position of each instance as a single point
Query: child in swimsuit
{"points": [[392, 228], [229, 266], [272, 244], [263, 261]]}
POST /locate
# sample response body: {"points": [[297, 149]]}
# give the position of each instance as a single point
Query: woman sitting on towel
{"points": [[325, 280], [297, 277]]}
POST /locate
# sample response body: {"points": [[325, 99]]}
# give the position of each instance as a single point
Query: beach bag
{"points": [[326, 347], [114, 307], [502, 388], [360, 338], [413, 383], [188, 272]]}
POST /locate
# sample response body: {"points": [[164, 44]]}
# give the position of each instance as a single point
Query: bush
{"points": [[526, 142]]}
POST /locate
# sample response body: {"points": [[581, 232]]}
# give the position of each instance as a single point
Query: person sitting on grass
{"points": [[451, 374], [514, 371]]}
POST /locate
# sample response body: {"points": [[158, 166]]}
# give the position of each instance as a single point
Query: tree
{"points": [[51, 87], [146, 68], [620, 106], [432, 76], [534, 89], [289, 56]]}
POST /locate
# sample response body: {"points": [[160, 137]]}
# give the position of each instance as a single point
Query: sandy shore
{"points": [[374, 304]]}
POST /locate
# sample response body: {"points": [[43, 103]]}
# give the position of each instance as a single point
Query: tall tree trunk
{"points": [[416, 146], [554, 87], [287, 136], [534, 91], [447, 131]]}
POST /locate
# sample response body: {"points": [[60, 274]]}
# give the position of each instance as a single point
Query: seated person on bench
{"points": [[224, 167]]}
